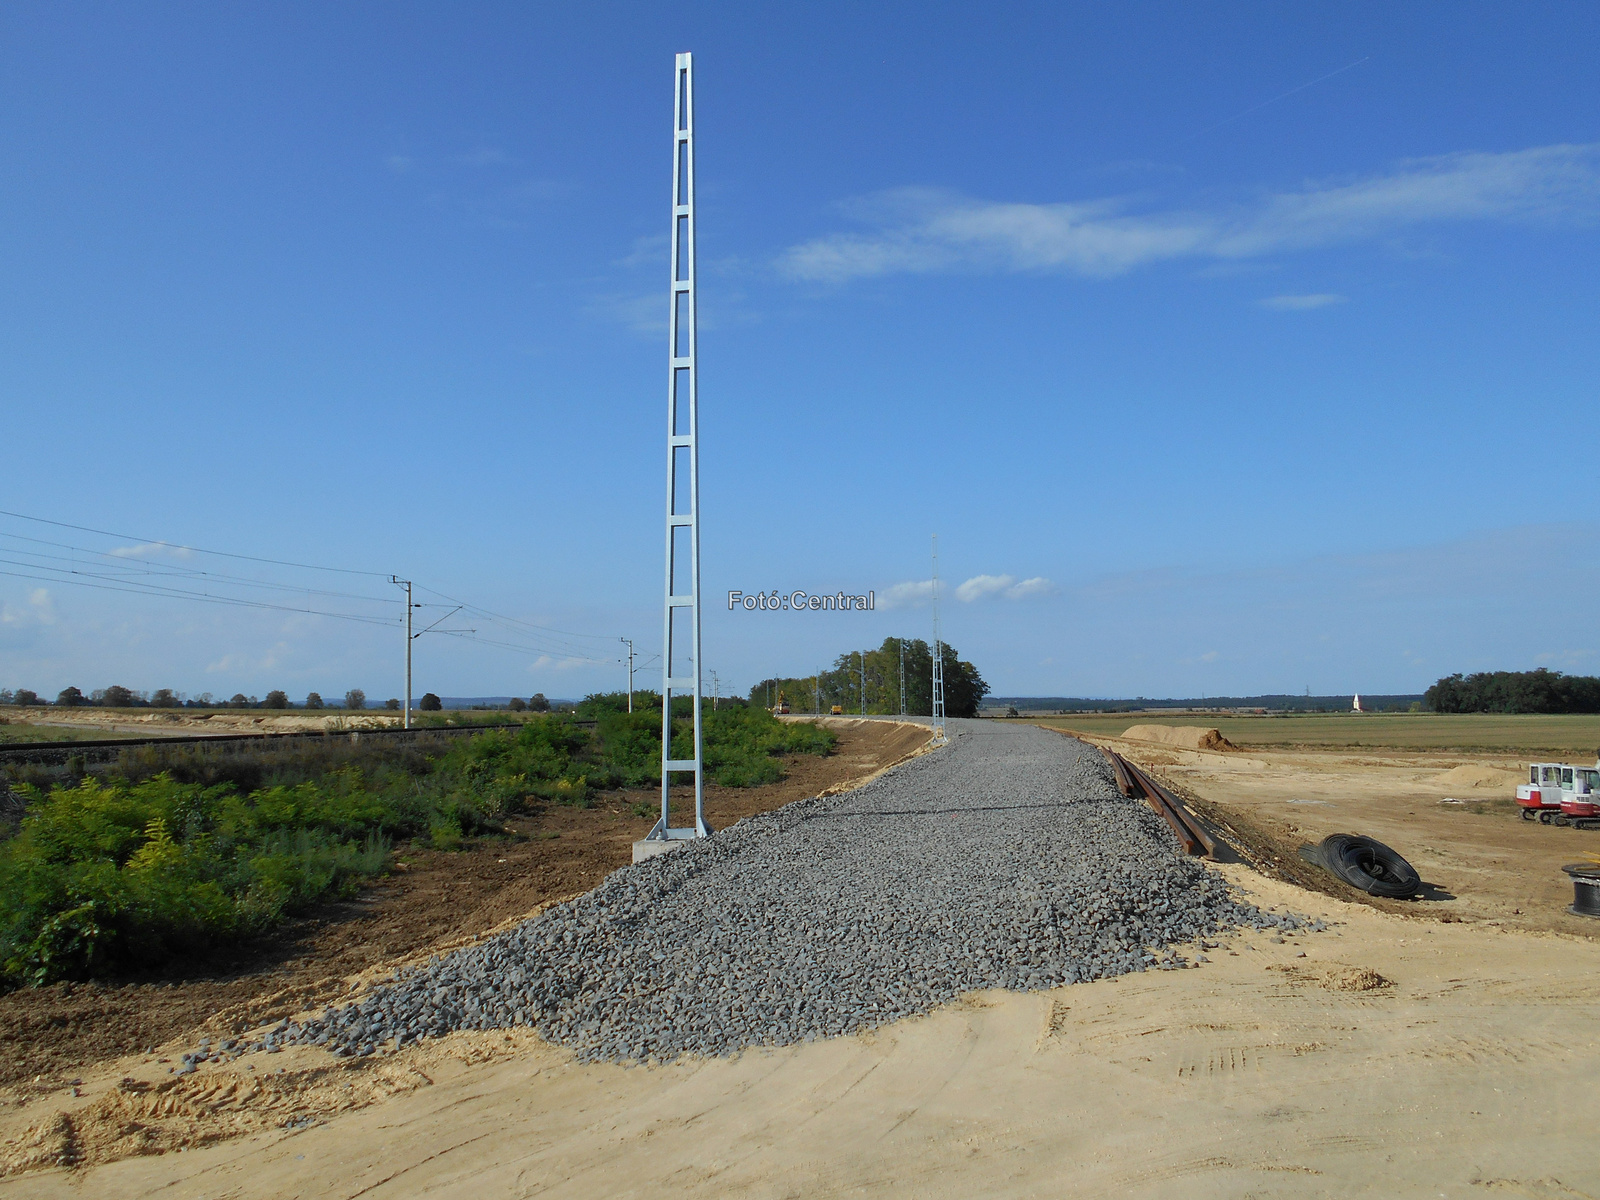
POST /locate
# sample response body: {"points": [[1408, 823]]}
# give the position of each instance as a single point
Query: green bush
{"points": [[180, 849], [107, 876]]}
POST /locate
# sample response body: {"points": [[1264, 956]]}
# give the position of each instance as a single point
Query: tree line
{"points": [[117, 696], [843, 683], [1540, 691]]}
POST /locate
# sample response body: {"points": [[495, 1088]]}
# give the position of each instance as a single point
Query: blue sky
{"points": [[1227, 349]]}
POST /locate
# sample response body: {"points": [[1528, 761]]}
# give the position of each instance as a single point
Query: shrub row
{"points": [[175, 851]]}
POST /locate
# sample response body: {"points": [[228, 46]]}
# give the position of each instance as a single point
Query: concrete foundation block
{"points": [[647, 848]]}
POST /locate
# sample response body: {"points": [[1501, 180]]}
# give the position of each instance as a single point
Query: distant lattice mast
{"points": [[938, 653]]}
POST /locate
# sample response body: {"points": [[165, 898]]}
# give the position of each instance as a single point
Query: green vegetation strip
{"points": [[174, 851]]}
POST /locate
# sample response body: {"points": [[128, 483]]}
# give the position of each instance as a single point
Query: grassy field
{"points": [[12, 732], [1565, 738]]}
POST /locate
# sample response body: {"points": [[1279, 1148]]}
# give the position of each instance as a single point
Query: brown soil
{"points": [[433, 901], [1453, 817]]}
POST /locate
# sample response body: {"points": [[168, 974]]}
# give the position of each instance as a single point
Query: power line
{"points": [[484, 612], [115, 572], [138, 567], [200, 597], [277, 562]]}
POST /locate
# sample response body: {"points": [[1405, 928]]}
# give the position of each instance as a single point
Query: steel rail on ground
{"points": [[1134, 782]]}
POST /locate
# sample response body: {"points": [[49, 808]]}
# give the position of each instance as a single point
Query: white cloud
{"points": [[41, 610], [547, 663], [980, 586], [152, 550], [1037, 586], [913, 594], [643, 314], [237, 664], [924, 230], [1300, 303]]}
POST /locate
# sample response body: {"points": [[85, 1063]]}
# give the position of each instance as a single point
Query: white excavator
{"points": [[1561, 794]]}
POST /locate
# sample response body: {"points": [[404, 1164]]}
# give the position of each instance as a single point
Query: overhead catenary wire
{"points": [[202, 598], [124, 569], [148, 541], [131, 568]]}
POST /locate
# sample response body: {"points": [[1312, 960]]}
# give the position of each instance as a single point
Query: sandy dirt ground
{"points": [[1393, 1055], [1482, 862], [1385, 1057]]}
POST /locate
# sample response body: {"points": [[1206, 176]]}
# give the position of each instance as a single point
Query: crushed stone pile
{"points": [[1007, 859]]}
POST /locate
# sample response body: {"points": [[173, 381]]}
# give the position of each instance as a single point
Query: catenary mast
{"points": [[680, 669]]}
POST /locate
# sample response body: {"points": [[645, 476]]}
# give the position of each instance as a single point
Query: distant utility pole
{"points": [[629, 643], [902, 642], [410, 637], [863, 655], [938, 655], [716, 691], [816, 681]]}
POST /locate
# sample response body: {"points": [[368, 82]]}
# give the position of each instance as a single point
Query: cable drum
{"points": [[1585, 889], [1368, 864]]}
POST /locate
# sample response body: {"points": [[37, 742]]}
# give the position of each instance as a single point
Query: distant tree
{"points": [[1540, 691], [313, 700], [69, 698], [240, 700], [392, 705], [355, 698], [26, 696], [430, 703], [164, 698], [538, 703], [7, 696], [276, 699], [518, 704]]}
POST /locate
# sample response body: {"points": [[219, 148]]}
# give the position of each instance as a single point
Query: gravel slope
{"points": [[1007, 859]]}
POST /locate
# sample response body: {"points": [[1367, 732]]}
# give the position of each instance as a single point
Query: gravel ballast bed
{"points": [[1006, 859]]}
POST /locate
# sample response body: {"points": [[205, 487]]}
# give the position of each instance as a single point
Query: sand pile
{"points": [[1473, 776], [1184, 737]]}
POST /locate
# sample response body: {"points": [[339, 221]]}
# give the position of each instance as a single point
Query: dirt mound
{"points": [[1472, 776], [1335, 977], [1184, 737]]}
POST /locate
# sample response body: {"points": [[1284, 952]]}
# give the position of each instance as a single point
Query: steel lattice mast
{"points": [[938, 654], [680, 669]]}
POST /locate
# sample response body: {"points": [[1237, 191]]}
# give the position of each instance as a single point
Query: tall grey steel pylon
{"points": [[938, 655], [680, 658]]}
